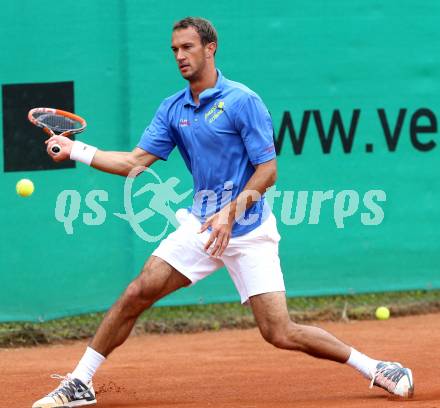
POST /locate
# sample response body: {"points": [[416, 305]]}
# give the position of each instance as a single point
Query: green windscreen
{"points": [[353, 90]]}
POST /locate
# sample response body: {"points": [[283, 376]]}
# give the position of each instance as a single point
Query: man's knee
{"points": [[156, 280], [144, 289], [274, 335], [135, 292], [135, 299], [283, 336]]}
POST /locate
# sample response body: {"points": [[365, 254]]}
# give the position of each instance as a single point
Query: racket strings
{"points": [[57, 123]]}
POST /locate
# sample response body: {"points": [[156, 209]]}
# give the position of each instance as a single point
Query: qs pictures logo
{"points": [[146, 198], [161, 195]]}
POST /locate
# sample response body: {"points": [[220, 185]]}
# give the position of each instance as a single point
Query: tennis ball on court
{"points": [[382, 313], [25, 187]]}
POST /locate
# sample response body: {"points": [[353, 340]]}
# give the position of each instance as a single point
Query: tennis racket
{"points": [[56, 122]]}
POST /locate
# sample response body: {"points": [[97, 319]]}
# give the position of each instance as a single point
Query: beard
{"points": [[192, 74]]}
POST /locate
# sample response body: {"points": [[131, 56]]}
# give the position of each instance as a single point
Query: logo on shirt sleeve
{"points": [[269, 149]]}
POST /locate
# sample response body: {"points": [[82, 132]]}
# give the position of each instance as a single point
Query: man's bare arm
{"points": [[110, 162], [221, 223], [264, 177], [122, 162]]}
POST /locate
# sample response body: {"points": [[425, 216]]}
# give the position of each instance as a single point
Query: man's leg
{"points": [[276, 327], [156, 280], [272, 317]]}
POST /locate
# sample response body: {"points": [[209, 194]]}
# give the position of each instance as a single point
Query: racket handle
{"points": [[56, 148]]}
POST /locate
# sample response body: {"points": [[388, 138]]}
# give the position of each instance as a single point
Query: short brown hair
{"points": [[204, 27]]}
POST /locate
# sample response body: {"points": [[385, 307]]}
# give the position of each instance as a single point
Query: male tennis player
{"points": [[224, 134]]}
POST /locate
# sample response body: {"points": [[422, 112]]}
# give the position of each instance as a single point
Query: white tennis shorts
{"points": [[252, 259]]}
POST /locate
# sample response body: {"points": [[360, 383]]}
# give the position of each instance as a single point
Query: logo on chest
{"points": [[184, 122], [215, 111]]}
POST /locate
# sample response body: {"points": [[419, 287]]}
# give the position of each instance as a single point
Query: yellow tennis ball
{"points": [[382, 313], [25, 187]]}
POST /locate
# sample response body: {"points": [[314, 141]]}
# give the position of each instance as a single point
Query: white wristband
{"points": [[82, 152]]}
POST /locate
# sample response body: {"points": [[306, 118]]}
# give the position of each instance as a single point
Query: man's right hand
{"points": [[65, 144]]}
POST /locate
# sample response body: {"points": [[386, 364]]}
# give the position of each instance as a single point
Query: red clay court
{"points": [[234, 369]]}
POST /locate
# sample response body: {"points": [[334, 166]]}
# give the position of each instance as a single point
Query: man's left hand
{"points": [[221, 228]]}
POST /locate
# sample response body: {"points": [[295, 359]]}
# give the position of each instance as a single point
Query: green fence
{"points": [[353, 89]]}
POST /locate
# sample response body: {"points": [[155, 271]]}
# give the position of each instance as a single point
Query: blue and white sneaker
{"points": [[70, 393], [394, 378]]}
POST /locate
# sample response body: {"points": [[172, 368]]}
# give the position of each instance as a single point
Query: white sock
{"points": [[364, 364], [87, 366]]}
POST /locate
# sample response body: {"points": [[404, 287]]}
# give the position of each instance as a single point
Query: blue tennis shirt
{"points": [[221, 139]]}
